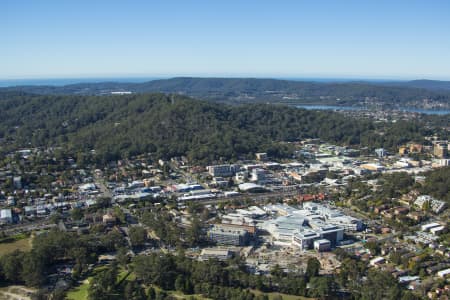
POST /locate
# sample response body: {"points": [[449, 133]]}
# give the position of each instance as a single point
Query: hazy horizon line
{"points": [[66, 80]]}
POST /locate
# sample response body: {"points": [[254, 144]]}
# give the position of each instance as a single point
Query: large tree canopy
{"points": [[120, 126]]}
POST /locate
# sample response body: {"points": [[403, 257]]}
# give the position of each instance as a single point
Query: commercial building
{"points": [[380, 152], [17, 181], [437, 230], [6, 216], [444, 273], [402, 150], [283, 228], [185, 188], [305, 239], [241, 176], [429, 226], [261, 156], [322, 245], [332, 233], [301, 227], [444, 162], [246, 225], [198, 197], [372, 167], [252, 212], [258, 175], [228, 235], [220, 254], [436, 206], [109, 220], [377, 261], [251, 187], [334, 217], [222, 170], [440, 150], [280, 209], [415, 148]]}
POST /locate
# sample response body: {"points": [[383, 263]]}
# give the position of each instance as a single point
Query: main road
{"points": [[255, 197]]}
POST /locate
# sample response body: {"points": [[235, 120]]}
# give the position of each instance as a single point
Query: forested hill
{"points": [[436, 85], [119, 126], [250, 90]]}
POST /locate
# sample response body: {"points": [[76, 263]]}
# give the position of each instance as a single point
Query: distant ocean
{"points": [[66, 81], [341, 80]]}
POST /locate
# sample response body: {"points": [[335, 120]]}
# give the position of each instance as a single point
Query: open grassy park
{"points": [[81, 292], [18, 242]]}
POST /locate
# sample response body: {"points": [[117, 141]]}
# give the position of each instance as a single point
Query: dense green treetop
{"points": [[120, 126]]}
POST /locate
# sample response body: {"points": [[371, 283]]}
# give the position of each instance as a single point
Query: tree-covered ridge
{"points": [[437, 184], [253, 90], [119, 126]]}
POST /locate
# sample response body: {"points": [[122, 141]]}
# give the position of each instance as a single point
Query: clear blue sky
{"points": [[315, 38]]}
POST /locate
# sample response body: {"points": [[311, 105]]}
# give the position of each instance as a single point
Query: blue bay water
{"points": [[66, 81], [353, 108]]}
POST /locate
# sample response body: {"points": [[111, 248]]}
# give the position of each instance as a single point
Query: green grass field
{"points": [[285, 296], [272, 296], [22, 243], [8, 239], [81, 292]]}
